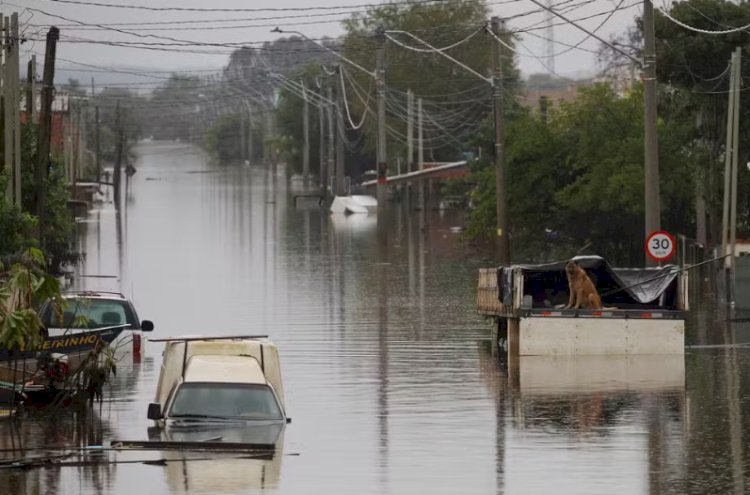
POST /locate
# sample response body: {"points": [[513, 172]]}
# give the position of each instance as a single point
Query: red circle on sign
{"points": [[669, 253]]}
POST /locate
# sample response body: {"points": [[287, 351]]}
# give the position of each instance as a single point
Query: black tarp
{"points": [[547, 284]]}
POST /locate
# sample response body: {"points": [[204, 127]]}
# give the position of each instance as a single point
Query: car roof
{"points": [[94, 295], [224, 369]]}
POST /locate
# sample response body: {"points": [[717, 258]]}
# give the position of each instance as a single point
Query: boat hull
{"points": [[80, 341]]}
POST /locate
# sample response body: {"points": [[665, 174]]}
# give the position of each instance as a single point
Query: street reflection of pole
{"points": [[422, 245], [496, 379], [306, 230], [265, 248], [735, 413], [383, 348], [118, 221], [98, 240], [410, 247]]}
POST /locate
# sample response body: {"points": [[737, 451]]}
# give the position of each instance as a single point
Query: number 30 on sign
{"points": [[660, 245]]}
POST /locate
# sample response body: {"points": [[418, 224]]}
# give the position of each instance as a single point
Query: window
{"points": [[98, 312], [225, 400]]}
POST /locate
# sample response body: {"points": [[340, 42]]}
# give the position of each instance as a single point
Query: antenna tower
{"points": [[549, 48]]}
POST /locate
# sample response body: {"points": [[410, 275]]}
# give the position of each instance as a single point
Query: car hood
{"points": [[218, 430]]}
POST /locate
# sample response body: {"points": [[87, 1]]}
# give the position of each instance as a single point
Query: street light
{"points": [[378, 75], [350, 62]]}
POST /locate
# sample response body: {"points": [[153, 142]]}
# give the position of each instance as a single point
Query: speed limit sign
{"points": [[660, 245]]}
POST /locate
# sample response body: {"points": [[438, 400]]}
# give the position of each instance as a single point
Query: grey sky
{"points": [[573, 63]]}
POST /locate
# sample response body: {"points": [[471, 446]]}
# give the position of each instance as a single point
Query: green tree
{"points": [[429, 75], [576, 179], [223, 139], [59, 223], [696, 66], [22, 289]]}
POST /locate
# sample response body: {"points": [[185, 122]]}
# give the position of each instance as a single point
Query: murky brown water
{"points": [[389, 376]]}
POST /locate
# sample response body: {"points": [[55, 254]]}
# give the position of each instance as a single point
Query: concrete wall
{"points": [[547, 336]]}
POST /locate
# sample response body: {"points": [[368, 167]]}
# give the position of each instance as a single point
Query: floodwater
{"points": [[388, 372]]}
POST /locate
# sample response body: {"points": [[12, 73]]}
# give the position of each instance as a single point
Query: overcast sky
{"points": [[573, 63]]}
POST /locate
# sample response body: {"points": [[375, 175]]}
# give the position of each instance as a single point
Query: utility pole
{"points": [[243, 127], [96, 136], [381, 152], [323, 166], [409, 134], [45, 128], [728, 152], [735, 157], [420, 156], [4, 96], [340, 140], [501, 200], [651, 179], [16, 65], [116, 174], [7, 110], [250, 146], [31, 103], [306, 136], [331, 140]]}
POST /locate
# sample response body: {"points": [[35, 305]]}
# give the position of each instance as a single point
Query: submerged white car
{"points": [[87, 310], [220, 389]]}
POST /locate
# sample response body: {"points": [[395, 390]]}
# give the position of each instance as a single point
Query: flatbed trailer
{"points": [[644, 313]]}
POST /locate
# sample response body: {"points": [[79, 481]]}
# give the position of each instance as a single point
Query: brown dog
{"points": [[582, 290]]}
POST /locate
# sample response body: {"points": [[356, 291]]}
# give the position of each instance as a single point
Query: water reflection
{"points": [[388, 373]]}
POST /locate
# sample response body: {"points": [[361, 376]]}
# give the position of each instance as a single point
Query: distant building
{"points": [[621, 78], [541, 87], [60, 118]]}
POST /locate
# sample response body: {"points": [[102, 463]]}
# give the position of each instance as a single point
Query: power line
{"points": [[666, 14], [258, 9]]}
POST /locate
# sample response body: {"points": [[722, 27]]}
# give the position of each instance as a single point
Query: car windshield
{"points": [[225, 400], [89, 312]]}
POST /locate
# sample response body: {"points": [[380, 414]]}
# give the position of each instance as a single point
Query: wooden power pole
{"points": [[382, 160], [651, 162], [16, 66], [305, 136], [45, 128], [501, 200], [341, 128], [117, 172]]}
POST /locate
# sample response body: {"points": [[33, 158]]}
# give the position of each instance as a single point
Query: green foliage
{"points": [[22, 289], [577, 179], [223, 139], [429, 75], [59, 223], [164, 117], [694, 66], [16, 227], [290, 114]]}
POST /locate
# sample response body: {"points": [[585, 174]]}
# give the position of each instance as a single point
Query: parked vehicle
{"points": [[88, 311], [644, 309], [223, 388]]}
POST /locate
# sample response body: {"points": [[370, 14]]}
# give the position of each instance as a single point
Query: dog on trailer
{"points": [[583, 292]]}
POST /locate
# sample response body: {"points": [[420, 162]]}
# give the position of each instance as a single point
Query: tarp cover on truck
{"points": [[621, 287]]}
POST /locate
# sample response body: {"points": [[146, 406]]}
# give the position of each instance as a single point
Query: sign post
{"points": [[660, 245]]}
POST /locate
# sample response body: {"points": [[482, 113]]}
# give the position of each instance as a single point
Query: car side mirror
{"points": [[147, 326], [154, 411], [288, 420]]}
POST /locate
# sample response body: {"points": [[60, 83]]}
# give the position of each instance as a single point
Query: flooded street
{"points": [[388, 370]]}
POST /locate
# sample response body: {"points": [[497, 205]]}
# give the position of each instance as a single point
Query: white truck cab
{"points": [[224, 380]]}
